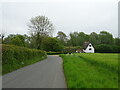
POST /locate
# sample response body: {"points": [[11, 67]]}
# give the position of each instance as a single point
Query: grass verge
{"points": [[80, 73], [53, 53], [6, 68]]}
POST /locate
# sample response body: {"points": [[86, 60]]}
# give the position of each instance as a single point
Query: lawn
{"points": [[91, 70]]}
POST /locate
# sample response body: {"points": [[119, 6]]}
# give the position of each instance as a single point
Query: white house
{"points": [[89, 48]]}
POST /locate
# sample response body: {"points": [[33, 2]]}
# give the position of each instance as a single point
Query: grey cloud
{"points": [[68, 17]]}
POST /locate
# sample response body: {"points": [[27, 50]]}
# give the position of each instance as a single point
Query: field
{"points": [[91, 70]]}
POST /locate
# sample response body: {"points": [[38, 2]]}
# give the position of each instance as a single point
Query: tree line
{"points": [[40, 37]]}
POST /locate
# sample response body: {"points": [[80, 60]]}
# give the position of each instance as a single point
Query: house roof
{"points": [[85, 45], [79, 50]]}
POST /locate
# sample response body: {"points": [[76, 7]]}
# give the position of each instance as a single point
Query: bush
{"points": [[51, 44], [70, 49], [14, 57], [53, 53], [104, 48]]}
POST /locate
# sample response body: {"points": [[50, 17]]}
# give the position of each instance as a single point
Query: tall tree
{"points": [[117, 41], [73, 38], [51, 44], [40, 27], [105, 38], [62, 37], [82, 37], [78, 38], [2, 35], [93, 38], [18, 40]]}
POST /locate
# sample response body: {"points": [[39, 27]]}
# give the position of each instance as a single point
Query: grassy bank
{"points": [[14, 57], [53, 53], [89, 70]]}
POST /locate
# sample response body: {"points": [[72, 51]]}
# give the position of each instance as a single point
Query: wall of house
{"points": [[89, 49]]}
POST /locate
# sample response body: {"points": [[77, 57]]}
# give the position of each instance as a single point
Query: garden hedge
{"points": [[104, 48], [14, 57]]}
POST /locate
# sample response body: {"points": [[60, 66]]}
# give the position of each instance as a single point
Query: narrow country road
{"points": [[47, 73]]}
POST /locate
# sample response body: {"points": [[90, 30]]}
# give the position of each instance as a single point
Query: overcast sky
{"points": [[66, 15]]}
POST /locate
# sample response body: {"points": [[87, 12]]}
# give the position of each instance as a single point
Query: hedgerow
{"points": [[53, 53], [14, 57]]}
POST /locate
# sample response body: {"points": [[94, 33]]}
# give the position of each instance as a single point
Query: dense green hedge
{"points": [[14, 57], [70, 49], [53, 53], [104, 48]]}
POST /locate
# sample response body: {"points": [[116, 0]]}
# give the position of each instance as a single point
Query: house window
{"points": [[89, 45], [90, 48]]}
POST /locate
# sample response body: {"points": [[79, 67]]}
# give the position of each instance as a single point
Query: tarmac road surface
{"points": [[47, 73]]}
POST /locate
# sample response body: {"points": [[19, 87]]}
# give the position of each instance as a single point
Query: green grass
{"points": [[105, 60], [53, 53], [89, 70], [6, 68]]}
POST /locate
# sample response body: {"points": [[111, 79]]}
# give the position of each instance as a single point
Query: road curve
{"points": [[47, 73]]}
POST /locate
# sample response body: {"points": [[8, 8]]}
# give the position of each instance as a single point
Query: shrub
{"points": [[53, 53], [104, 48], [51, 44], [70, 49], [14, 57]]}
